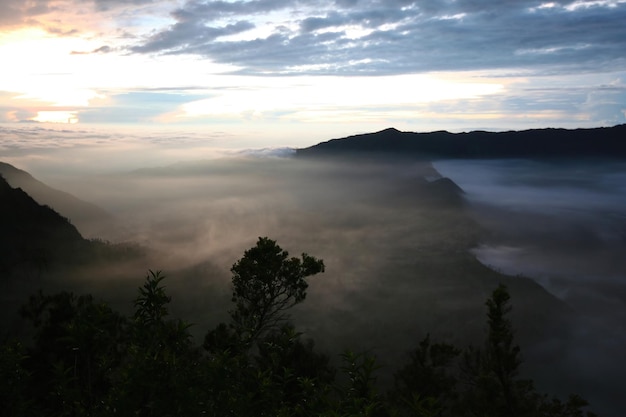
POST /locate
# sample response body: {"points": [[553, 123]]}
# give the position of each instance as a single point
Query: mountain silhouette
{"points": [[534, 143], [33, 235], [91, 220]]}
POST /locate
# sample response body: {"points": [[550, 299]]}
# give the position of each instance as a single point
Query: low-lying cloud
{"points": [[396, 259], [564, 225]]}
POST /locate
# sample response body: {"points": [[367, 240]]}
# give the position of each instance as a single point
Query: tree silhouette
{"points": [[158, 375], [266, 283], [281, 375], [87, 360]]}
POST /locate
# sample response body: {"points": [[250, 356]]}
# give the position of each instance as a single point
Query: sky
{"points": [[293, 73]]}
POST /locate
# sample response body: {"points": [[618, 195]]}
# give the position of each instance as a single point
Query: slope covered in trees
{"points": [[40, 248], [32, 234], [86, 359], [91, 220]]}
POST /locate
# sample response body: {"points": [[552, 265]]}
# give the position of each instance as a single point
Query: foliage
{"points": [[157, 374], [360, 396], [73, 350], [266, 282], [426, 386], [85, 359], [258, 355], [14, 379], [491, 386]]}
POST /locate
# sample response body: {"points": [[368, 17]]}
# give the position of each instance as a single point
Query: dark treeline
{"points": [[83, 358]]}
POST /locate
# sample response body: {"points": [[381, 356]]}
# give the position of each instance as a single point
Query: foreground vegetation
{"points": [[85, 359]]}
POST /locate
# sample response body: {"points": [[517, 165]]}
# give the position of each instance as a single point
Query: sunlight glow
{"points": [[60, 116], [308, 95], [42, 68]]}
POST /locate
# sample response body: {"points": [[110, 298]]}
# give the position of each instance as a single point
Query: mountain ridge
{"points": [[478, 144], [91, 220], [32, 233]]}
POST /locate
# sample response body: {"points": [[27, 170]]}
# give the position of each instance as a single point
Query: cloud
{"points": [[351, 36], [101, 50], [134, 107], [213, 10], [182, 36], [14, 12], [608, 102], [403, 36], [109, 4]]}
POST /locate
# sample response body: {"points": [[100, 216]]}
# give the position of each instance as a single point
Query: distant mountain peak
{"points": [[390, 130]]}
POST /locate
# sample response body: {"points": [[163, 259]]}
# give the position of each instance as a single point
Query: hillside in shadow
{"points": [[91, 220], [40, 249]]}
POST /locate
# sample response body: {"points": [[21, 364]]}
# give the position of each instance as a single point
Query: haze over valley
{"points": [[426, 151], [411, 246]]}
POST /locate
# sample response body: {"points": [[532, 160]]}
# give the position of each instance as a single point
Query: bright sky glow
{"points": [[357, 65], [59, 116]]}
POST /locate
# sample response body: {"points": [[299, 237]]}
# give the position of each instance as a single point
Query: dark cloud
{"points": [[211, 10], [400, 36], [102, 50], [346, 3], [182, 36], [15, 12], [104, 5]]}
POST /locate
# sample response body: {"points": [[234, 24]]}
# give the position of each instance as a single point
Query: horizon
{"points": [[58, 152], [271, 72]]}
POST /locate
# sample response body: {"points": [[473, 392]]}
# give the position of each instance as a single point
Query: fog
{"points": [[399, 245], [563, 224]]}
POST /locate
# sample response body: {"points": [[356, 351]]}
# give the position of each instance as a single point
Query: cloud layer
{"points": [[391, 37], [350, 36], [283, 65]]}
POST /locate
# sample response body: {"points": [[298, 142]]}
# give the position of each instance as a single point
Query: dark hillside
{"points": [[91, 220], [32, 234], [40, 249], [534, 143]]}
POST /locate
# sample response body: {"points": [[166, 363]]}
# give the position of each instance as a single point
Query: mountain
{"points": [[534, 143], [90, 219], [32, 235]]}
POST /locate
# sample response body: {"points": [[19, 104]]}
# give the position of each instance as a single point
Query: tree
{"points": [[490, 374], [258, 364], [77, 341], [266, 283], [158, 375], [427, 386], [503, 355], [295, 379], [14, 380], [358, 395], [493, 386]]}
